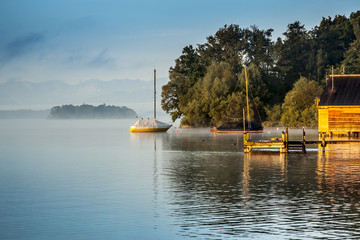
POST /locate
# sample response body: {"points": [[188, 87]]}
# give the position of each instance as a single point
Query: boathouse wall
{"points": [[339, 105], [341, 119]]}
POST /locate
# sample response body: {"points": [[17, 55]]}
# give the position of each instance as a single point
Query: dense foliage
{"points": [[207, 83], [86, 111], [299, 107]]}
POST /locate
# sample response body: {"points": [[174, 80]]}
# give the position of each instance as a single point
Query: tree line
{"points": [[207, 83], [87, 111]]}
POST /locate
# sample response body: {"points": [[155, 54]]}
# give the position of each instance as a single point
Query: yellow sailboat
{"points": [[150, 125]]}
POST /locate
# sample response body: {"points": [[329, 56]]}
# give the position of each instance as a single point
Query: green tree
{"points": [[205, 106], [299, 107], [258, 93], [273, 116], [226, 45], [86, 111], [220, 96], [258, 47], [219, 83], [351, 62], [332, 38], [187, 71], [196, 112], [292, 55], [207, 83]]}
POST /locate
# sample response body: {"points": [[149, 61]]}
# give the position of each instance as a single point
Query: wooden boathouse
{"points": [[339, 105], [339, 113]]}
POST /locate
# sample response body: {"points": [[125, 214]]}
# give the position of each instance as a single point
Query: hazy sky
{"points": [[77, 40]]}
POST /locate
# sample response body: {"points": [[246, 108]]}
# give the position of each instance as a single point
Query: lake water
{"points": [[94, 179]]}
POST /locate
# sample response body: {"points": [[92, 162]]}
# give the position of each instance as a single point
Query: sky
{"points": [[77, 40]]}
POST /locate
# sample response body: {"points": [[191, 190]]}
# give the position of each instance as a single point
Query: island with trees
{"points": [[207, 83], [86, 111]]}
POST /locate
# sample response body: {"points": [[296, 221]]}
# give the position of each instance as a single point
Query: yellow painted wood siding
{"points": [[323, 125], [339, 119]]}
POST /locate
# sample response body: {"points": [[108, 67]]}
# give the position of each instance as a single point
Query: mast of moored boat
{"points": [[154, 93], [244, 120], [247, 100]]}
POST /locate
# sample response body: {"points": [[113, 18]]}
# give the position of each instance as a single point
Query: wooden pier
{"points": [[284, 144]]}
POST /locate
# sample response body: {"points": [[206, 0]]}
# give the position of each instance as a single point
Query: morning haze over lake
{"points": [[94, 179], [76, 76]]}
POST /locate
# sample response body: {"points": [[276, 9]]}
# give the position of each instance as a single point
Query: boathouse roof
{"points": [[343, 90]]}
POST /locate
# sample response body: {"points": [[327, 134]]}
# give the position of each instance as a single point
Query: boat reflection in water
{"points": [[96, 180]]}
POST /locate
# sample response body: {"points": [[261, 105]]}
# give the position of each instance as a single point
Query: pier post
{"points": [[287, 140], [283, 138], [247, 147], [303, 142], [323, 142]]}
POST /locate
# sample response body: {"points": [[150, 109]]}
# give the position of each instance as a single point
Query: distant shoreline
{"points": [[83, 111], [86, 111]]}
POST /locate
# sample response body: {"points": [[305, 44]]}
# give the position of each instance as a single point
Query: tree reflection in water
{"points": [[224, 194]]}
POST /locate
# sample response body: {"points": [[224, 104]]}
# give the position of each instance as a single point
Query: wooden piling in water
{"points": [[303, 142]]}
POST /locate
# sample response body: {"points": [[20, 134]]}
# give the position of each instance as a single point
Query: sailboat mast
{"points": [[154, 93], [247, 99]]}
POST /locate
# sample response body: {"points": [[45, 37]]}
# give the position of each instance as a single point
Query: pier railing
{"points": [[284, 144]]}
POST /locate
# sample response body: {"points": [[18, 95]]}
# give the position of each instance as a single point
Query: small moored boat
{"points": [[237, 127], [150, 125]]}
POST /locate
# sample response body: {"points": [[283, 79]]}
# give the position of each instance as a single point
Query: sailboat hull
{"points": [[235, 131], [149, 129], [238, 127], [149, 125]]}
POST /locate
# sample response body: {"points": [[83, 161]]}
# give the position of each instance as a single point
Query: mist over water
{"points": [[93, 179]]}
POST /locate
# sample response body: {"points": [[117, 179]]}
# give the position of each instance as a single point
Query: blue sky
{"points": [[78, 40]]}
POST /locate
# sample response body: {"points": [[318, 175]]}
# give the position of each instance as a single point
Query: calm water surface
{"points": [[95, 180]]}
